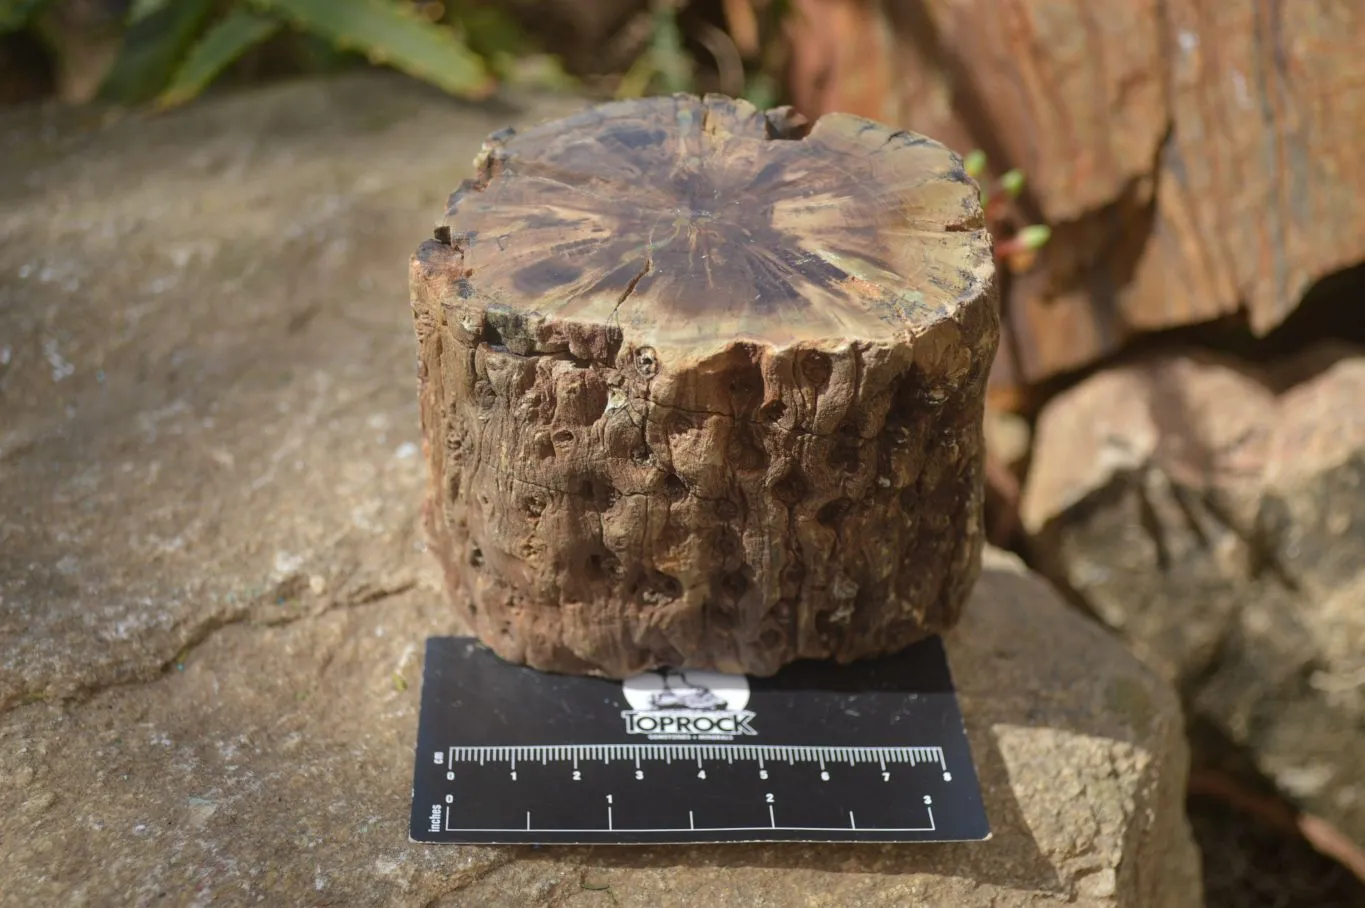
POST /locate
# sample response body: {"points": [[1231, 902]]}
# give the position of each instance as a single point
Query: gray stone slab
{"points": [[213, 590]]}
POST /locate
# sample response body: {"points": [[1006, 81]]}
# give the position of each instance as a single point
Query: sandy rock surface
{"points": [[213, 593]]}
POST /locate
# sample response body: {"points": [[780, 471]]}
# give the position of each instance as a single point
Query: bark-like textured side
{"points": [[640, 460]]}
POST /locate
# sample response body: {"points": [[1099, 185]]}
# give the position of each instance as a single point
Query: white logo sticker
{"points": [[687, 705]]}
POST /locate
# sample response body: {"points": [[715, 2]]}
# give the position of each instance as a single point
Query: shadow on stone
{"points": [[1058, 714], [1027, 869]]}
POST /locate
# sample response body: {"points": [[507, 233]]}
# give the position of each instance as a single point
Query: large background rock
{"points": [[1216, 518], [1193, 157], [203, 372], [215, 597]]}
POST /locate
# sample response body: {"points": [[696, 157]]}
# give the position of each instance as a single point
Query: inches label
{"points": [[874, 751]]}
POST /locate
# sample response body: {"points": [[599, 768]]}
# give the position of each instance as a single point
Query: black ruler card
{"points": [[875, 751]]}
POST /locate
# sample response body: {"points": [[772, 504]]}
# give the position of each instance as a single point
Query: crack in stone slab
{"points": [[204, 630]]}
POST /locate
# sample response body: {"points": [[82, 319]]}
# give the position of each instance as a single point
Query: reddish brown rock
{"points": [[699, 388], [1194, 158], [1215, 516]]}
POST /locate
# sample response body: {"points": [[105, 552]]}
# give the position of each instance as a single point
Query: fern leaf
{"points": [[388, 34], [152, 49], [141, 9], [224, 43], [14, 14]]}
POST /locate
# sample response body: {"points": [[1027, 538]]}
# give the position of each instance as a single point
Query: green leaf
{"points": [[1034, 237], [666, 49], [225, 43], [975, 163], [15, 14], [1012, 182], [636, 80], [141, 9], [152, 49], [389, 34], [761, 90]]}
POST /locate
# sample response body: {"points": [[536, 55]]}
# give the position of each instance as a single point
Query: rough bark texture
{"points": [[701, 389], [1194, 158], [1216, 518]]}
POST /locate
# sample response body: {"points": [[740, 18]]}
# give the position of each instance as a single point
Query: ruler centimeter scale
{"points": [[697, 758], [543, 753], [506, 754]]}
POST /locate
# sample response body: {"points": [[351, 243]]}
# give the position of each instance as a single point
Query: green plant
{"points": [[171, 50], [1017, 249], [746, 53]]}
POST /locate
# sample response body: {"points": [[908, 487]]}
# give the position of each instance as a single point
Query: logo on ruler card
{"points": [[687, 705]]}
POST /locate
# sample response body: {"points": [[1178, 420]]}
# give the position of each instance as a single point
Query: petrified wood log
{"points": [[699, 388]]}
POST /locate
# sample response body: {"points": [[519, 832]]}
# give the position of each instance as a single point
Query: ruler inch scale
{"points": [[870, 752]]}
